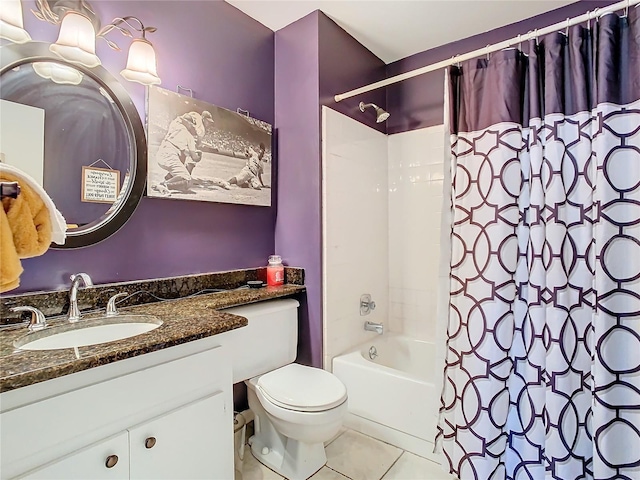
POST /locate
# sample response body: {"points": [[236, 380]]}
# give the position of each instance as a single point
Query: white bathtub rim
{"points": [[357, 359], [356, 356]]}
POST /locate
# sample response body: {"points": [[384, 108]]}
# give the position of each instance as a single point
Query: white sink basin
{"points": [[88, 332]]}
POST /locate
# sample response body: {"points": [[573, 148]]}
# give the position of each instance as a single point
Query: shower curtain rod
{"points": [[587, 17]]}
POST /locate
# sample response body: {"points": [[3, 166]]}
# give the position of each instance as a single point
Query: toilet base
{"points": [[296, 461]]}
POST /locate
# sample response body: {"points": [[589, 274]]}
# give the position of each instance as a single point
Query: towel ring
{"points": [[180, 87], [9, 189]]}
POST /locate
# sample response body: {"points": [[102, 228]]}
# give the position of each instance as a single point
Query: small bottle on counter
{"points": [[275, 271]]}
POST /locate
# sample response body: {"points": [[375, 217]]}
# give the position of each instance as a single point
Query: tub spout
{"points": [[374, 327]]}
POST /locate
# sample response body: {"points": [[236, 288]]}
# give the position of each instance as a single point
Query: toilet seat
{"points": [[303, 389]]}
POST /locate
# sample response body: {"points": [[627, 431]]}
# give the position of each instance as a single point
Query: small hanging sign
{"points": [[100, 185]]}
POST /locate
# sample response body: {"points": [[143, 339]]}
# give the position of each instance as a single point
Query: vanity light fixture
{"points": [[141, 61], [77, 40], [11, 22]]}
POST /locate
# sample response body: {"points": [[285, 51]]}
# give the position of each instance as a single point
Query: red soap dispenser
{"points": [[275, 271]]}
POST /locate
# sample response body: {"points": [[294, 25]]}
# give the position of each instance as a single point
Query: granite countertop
{"points": [[184, 320]]}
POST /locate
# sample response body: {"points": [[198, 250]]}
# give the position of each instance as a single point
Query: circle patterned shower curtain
{"points": [[542, 375]]}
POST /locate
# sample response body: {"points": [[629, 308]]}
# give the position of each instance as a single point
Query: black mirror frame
{"points": [[14, 55]]}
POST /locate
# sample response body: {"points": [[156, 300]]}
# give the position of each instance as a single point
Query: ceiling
{"points": [[394, 29]]}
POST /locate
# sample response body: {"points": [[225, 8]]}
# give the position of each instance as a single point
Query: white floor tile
{"points": [[254, 470], [342, 430], [413, 467], [360, 457], [325, 473]]}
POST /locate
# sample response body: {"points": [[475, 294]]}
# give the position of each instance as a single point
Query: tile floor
{"points": [[352, 455]]}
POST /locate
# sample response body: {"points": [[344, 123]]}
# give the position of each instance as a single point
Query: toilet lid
{"points": [[301, 388]]}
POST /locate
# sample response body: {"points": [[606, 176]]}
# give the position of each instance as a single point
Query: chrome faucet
{"points": [[374, 327], [38, 321], [111, 304], [74, 311], [366, 304]]}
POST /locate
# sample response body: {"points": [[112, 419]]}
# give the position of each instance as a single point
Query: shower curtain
{"points": [[542, 372]]}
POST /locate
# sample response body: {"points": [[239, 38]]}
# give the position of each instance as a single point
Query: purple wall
{"points": [[344, 65], [418, 102], [298, 224], [314, 59], [227, 58]]}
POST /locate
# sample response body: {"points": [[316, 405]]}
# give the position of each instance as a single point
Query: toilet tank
{"points": [[269, 341]]}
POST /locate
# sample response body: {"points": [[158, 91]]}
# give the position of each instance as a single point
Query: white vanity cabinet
{"points": [[165, 448], [90, 462], [162, 415]]}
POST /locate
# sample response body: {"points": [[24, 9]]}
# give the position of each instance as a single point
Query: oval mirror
{"points": [[93, 159]]}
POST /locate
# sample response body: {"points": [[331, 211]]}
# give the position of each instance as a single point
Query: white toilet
{"points": [[297, 408]]}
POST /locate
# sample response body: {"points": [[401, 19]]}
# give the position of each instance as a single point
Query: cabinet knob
{"points": [[150, 442], [111, 461]]}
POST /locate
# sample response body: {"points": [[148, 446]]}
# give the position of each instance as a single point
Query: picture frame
{"points": [[202, 152], [100, 185]]}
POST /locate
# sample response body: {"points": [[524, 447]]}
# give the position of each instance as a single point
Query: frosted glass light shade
{"points": [[11, 22], [141, 63], [76, 41], [62, 74]]}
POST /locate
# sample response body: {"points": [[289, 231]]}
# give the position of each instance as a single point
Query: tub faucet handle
{"points": [[366, 304]]}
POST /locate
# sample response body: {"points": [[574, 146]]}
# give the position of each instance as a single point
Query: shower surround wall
{"points": [[355, 230], [382, 200], [416, 160]]}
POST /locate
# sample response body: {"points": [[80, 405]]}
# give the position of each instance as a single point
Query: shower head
{"points": [[381, 115]]}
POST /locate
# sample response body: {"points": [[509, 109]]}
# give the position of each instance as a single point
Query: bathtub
{"points": [[392, 396]]}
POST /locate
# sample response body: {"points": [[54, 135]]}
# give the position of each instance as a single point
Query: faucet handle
{"points": [[38, 321], [366, 304], [111, 304], [85, 277]]}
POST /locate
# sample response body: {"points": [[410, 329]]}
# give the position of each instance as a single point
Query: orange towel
{"points": [[25, 231], [10, 266]]}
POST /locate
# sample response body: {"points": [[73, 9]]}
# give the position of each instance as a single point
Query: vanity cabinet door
{"points": [[107, 459], [194, 441]]}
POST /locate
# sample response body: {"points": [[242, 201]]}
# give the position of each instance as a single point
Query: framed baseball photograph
{"points": [[198, 151]]}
